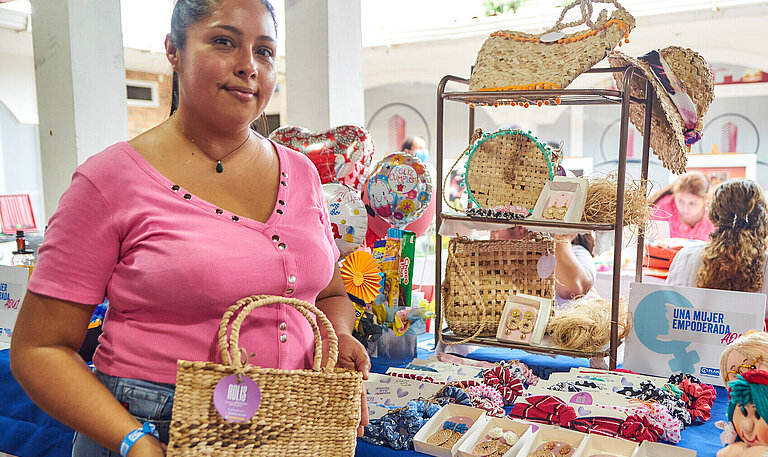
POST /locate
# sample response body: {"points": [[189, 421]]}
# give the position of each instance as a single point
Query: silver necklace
{"points": [[219, 166]]}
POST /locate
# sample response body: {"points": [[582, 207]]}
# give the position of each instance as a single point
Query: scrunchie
{"points": [[521, 371], [487, 398], [639, 428], [388, 430], [502, 380], [413, 376], [450, 394], [698, 399]]}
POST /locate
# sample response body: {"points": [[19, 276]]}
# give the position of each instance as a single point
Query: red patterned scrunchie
{"points": [[639, 428], [502, 380], [698, 399]]}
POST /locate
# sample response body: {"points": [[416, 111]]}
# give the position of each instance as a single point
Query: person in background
{"points": [[417, 146], [735, 257], [684, 205], [575, 268], [183, 221]]}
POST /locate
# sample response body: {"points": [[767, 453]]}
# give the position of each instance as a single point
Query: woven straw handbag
{"points": [[511, 60], [479, 276], [506, 167], [301, 412]]}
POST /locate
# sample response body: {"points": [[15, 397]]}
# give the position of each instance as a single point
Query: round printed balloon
{"points": [[349, 220], [400, 188]]}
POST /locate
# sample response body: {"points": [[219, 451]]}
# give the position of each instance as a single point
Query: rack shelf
{"points": [[456, 216], [558, 97], [448, 335]]}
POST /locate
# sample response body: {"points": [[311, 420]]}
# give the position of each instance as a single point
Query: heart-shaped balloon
{"points": [[341, 154], [546, 265], [349, 220]]}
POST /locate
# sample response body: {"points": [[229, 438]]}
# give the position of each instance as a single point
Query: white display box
{"points": [[435, 423], [650, 449], [540, 306], [524, 431], [546, 434], [562, 192], [604, 446]]}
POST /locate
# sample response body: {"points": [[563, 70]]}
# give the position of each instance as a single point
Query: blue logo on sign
{"points": [[706, 371]]}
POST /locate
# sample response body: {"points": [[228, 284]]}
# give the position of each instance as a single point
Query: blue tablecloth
{"points": [[26, 431]]}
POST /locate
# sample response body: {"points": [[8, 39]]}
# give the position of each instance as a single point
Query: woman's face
{"points": [[750, 425], [690, 207], [227, 69]]}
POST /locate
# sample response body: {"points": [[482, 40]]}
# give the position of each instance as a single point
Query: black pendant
{"points": [[219, 167]]}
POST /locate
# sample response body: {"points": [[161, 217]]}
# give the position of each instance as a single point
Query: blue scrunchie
{"points": [[398, 428], [451, 394]]}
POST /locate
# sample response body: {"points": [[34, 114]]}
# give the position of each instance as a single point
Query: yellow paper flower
{"points": [[361, 275]]}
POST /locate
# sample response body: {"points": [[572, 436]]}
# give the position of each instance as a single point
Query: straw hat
{"points": [[667, 125]]}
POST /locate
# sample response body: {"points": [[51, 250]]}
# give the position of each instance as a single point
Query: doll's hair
{"points": [[752, 346], [734, 258], [744, 393]]}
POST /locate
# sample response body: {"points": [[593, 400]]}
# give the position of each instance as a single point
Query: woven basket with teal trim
{"points": [[507, 167]]}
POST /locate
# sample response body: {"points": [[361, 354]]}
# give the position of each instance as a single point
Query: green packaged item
{"points": [[405, 266]]}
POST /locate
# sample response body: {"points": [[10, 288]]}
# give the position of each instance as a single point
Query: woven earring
{"points": [[550, 212], [513, 321], [560, 212], [526, 325]]}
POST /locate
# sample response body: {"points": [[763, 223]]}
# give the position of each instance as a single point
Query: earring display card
{"points": [[524, 319], [486, 440], [562, 199], [605, 446], [392, 392], [447, 430], [556, 441]]}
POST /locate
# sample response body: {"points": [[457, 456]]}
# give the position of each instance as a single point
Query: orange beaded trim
{"points": [[618, 23], [534, 86]]}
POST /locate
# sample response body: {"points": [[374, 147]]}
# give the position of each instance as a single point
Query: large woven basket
{"points": [[507, 167], [510, 60], [480, 274], [302, 412]]}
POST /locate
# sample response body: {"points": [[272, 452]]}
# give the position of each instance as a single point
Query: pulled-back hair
{"points": [[734, 258], [693, 182], [186, 13]]}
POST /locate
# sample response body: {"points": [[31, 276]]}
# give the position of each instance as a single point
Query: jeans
{"points": [[147, 401]]}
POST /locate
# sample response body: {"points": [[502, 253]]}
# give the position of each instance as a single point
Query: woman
{"points": [[183, 221], [735, 258], [684, 205]]}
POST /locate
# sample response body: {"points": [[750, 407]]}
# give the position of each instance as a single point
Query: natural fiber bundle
{"points": [[586, 326], [600, 207]]}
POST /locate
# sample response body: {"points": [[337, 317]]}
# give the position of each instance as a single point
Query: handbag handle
{"points": [[586, 14], [248, 304]]}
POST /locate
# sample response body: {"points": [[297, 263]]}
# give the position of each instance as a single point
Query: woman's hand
{"points": [[353, 356]]}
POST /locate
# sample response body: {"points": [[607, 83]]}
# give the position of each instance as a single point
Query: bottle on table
{"points": [[21, 256]]}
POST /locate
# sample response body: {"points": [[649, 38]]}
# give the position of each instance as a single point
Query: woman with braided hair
{"points": [[735, 257]]}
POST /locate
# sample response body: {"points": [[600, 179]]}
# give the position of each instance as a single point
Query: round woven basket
{"points": [[302, 412], [507, 167]]}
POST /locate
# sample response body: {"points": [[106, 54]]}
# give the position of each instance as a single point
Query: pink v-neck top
{"points": [[171, 264]]}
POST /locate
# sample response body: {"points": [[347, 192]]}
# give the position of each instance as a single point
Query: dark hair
{"points": [[408, 143], [187, 13]]}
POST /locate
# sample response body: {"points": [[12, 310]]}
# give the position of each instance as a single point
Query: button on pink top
{"points": [[666, 210], [171, 264]]}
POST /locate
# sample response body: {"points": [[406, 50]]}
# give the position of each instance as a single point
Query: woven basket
{"points": [[480, 274], [507, 167], [302, 412], [511, 60]]}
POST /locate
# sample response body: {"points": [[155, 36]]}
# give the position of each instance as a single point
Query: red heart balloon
{"points": [[342, 154]]}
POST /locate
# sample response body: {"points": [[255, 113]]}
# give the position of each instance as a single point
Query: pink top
{"points": [[171, 264], [666, 210]]}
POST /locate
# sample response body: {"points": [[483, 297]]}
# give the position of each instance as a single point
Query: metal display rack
{"points": [[563, 97]]}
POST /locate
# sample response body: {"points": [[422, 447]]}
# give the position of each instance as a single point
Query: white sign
{"points": [[13, 286], [685, 329]]}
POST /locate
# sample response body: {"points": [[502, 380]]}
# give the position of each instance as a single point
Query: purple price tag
{"points": [[237, 401]]}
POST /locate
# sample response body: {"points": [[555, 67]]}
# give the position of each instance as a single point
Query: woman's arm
{"points": [[340, 311], [44, 360], [573, 278]]}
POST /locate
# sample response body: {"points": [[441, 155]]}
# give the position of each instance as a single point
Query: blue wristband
{"points": [[135, 435]]}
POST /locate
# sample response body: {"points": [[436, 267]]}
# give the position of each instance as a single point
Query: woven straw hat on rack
{"points": [[671, 138], [510, 60]]}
